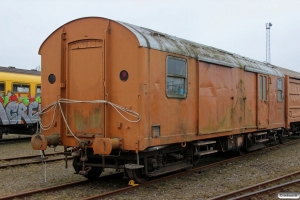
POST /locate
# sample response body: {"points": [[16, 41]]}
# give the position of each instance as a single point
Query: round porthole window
{"points": [[51, 78], [124, 75]]}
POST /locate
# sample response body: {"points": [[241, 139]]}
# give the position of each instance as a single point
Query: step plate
{"points": [[261, 140], [202, 153], [203, 143], [260, 133]]}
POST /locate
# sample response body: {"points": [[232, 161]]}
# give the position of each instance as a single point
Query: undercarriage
{"points": [[159, 160]]}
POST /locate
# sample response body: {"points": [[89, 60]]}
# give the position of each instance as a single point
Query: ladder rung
{"points": [[202, 143]]}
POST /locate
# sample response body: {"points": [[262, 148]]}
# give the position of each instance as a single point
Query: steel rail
{"points": [[32, 162], [49, 189], [14, 140], [269, 191], [27, 157], [257, 187]]}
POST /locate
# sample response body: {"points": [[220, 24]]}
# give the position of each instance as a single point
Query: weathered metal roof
{"points": [[155, 40], [289, 73], [20, 71]]}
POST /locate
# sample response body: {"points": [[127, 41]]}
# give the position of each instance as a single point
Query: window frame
{"points": [[22, 84], [177, 96], [278, 89], [36, 93]]}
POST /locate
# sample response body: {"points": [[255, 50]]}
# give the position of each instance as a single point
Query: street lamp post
{"points": [[268, 56]]}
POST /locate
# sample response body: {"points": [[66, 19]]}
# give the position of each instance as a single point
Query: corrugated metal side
{"points": [[156, 40]]}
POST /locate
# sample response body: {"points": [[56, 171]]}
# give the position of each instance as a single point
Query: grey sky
{"points": [[237, 26]]}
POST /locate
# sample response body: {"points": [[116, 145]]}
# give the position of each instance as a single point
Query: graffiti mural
{"points": [[19, 109]]}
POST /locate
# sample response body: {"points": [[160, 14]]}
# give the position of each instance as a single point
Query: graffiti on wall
{"points": [[17, 109]]}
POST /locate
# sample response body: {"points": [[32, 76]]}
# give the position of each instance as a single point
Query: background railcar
{"points": [[20, 92], [126, 97], [292, 98]]}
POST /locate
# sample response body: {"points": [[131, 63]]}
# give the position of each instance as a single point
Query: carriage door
{"points": [[85, 77], [262, 101]]}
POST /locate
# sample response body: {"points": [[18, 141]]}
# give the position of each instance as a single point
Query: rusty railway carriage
{"points": [[20, 91], [126, 97]]}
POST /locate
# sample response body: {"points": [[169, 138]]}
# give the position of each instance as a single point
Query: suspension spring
{"points": [[159, 160]]}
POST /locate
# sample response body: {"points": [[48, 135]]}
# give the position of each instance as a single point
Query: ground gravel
{"points": [[205, 185]]}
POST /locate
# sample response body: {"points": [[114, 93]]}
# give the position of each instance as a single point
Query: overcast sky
{"points": [[237, 26]]}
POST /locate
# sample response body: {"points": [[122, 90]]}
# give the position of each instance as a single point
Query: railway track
{"points": [[158, 180], [36, 161], [267, 189], [14, 140]]}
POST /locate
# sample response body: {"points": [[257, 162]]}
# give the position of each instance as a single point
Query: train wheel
{"points": [[281, 139], [94, 173], [282, 136], [137, 175], [241, 151]]}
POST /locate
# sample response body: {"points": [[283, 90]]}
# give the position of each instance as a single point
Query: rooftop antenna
{"points": [[268, 56]]}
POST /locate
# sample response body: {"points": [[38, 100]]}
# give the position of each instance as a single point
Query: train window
{"points": [[260, 92], [38, 90], [21, 88], [2, 88], [176, 77], [279, 90], [124, 75], [51, 78], [262, 88]]}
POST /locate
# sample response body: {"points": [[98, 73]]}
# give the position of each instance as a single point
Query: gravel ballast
{"points": [[210, 183]]}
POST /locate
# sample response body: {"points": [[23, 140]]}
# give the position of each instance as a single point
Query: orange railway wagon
{"points": [[125, 97]]}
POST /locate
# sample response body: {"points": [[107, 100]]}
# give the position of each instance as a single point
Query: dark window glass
{"points": [[2, 87], [279, 90], [124, 75], [51, 78], [20, 88], [176, 67], [176, 77]]}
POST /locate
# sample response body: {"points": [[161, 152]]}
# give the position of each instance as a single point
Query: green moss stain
{"points": [[94, 118], [92, 121], [226, 122], [80, 121]]}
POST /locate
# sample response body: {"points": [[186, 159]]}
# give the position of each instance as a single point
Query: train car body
{"points": [[292, 99], [20, 92], [128, 97]]}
